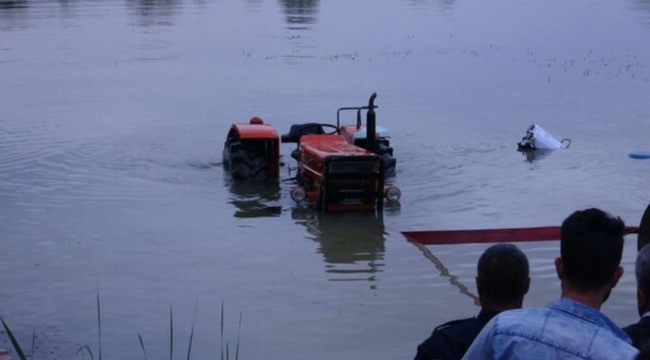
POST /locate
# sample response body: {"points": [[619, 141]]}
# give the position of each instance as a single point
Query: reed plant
{"points": [[14, 342], [86, 350]]}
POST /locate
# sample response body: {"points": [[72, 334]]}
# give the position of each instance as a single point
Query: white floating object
{"points": [[538, 139]]}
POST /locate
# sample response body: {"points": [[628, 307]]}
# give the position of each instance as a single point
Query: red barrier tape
{"points": [[444, 237]]}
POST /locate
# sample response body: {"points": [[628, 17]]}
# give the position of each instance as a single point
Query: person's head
{"points": [[502, 277], [642, 272], [591, 246]]}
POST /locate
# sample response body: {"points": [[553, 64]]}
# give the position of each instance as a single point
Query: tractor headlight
{"points": [[392, 193], [298, 194]]}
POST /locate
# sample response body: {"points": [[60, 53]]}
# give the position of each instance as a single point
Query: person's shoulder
{"points": [[460, 329], [526, 319], [643, 323], [639, 332], [637, 326], [517, 314], [450, 340], [453, 323]]}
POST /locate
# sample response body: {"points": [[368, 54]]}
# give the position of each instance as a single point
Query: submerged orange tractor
{"points": [[335, 172]]}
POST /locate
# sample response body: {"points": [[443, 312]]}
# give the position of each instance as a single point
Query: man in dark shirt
{"points": [[502, 281], [640, 332]]}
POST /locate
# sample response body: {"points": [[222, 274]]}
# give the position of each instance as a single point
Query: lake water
{"points": [[112, 120]]}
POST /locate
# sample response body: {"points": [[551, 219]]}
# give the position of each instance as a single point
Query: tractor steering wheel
{"points": [[332, 132], [321, 127]]}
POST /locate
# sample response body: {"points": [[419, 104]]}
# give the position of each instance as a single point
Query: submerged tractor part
{"points": [[247, 164], [337, 176], [371, 137], [252, 151], [343, 168], [298, 130]]}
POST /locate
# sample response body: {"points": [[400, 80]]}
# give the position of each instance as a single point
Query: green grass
{"points": [[226, 356], [86, 350], [14, 342]]}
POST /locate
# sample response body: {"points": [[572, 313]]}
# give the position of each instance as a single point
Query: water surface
{"points": [[114, 114]]}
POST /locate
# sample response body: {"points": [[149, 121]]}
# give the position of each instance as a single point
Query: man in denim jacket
{"points": [[572, 327]]}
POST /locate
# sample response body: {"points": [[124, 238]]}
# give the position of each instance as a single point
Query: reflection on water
{"points": [[101, 147], [442, 4], [155, 12], [352, 244], [299, 13], [535, 155], [254, 199], [444, 272], [11, 13], [643, 5], [12, 4], [254, 6]]}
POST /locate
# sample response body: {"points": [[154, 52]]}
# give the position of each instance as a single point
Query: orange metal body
{"points": [[348, 131], [255, 131], [315, 149], [321, 146]]}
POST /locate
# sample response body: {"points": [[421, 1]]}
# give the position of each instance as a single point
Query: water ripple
{"points": [[107, 169]]}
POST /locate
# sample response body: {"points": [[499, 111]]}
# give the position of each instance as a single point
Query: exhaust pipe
{"points": [[371, 133]]}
